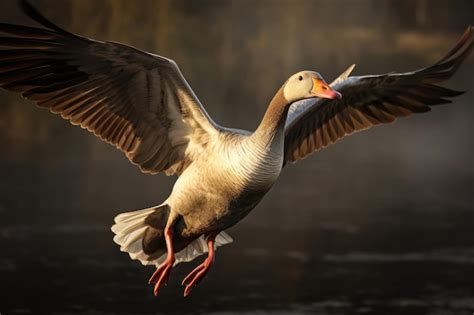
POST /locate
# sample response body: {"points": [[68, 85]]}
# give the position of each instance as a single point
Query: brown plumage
{"points": [[371, 100], [119, 93], [141, 103]]}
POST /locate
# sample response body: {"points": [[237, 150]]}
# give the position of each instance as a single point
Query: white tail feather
{"points": [[130, 227]]}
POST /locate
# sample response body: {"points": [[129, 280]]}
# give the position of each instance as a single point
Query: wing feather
{"points": [[369, 101], [136, 101]]}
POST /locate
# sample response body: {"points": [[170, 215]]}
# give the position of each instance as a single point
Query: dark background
{"points": [[381, 223]]}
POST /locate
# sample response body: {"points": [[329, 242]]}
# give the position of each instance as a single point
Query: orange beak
{"points": [[323, 90]]}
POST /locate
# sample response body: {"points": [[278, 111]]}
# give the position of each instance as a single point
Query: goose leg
{"points": [[195, 276], [162, 273]]}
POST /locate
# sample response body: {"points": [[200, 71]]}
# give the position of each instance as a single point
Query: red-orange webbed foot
{"points": [[196, 276], [162, 273]]}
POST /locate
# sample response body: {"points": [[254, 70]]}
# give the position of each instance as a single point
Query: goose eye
{"points": [[300, 78]]}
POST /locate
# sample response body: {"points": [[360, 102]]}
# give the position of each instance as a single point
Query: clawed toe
{"points": [[161, 276], [195, 277], [162, 273], [200, 271], [157, 274], [192, 275]]}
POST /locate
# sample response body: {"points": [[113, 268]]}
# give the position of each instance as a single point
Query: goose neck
{"points": [[272, 125]]}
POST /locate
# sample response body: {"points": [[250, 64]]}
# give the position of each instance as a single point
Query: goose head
{"points": [[308, 84]]}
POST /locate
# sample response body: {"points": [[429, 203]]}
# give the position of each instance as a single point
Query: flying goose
{"points": [[141, 103]]}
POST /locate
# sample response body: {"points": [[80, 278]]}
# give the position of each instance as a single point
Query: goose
{"points": [[141, 103]]}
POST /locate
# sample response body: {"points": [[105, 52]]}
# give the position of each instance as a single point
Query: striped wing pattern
{"points": [[136, 101], [368, 101]]}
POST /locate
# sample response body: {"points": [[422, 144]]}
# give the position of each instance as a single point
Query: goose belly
{"points": [[252, 174], [214, 194]]}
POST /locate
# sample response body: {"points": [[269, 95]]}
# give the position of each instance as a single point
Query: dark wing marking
{"points": [[368, 101], [136, 101]]}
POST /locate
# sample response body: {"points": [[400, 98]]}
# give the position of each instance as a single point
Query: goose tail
{"points": [[141, 234]]}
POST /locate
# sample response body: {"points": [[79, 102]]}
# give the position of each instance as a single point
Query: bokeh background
{"points": [[381, 223]]}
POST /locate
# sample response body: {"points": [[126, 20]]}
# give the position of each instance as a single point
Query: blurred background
{"points": [[381, 223]]}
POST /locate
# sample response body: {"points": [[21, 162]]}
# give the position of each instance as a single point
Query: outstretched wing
{"points": [[368, 101], [134, 100]]}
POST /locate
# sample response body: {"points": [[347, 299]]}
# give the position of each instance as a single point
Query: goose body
{"points": [[249, 162], [205, 200], [141, 103]]}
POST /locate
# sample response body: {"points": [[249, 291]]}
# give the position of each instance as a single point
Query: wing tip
{"points": [[344, 75], [30, 10], [348, 71], [351, 68], [447, 66], [463, 45]]}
